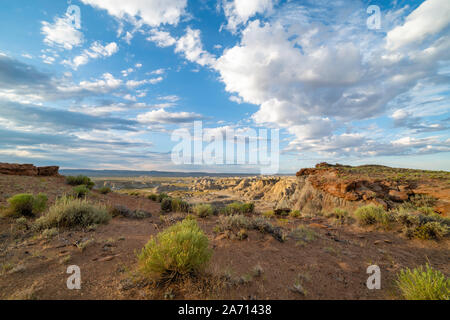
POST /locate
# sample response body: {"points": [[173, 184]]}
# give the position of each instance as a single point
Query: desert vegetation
{"points": [[215, 244], [423, 283], [179, 250]]}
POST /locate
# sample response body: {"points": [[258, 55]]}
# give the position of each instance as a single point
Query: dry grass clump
{"points": [[26, 205], [69, 212], [374, 215], [203, 210], [423, 284], [80, 180], [178, 250]]}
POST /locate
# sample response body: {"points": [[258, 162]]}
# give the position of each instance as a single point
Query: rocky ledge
{"points": [[28, 170]]}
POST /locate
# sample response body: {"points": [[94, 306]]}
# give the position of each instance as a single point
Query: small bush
{"points": [[49, 233], [426, 227], [166, 205], [179, 205], [104, 190], [80, 191], [268, 214], [153, 197], [119, 210], [295, 214], [80, 180], [423, 284], [69, 212], [26, 204], [203, 210], [233, 222], [162, 196], [239, 208], [371, 214], [304, 234], [431, 230], [179, 250]]}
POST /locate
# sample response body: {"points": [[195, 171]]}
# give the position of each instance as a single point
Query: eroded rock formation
{"points": [[27, 170]]}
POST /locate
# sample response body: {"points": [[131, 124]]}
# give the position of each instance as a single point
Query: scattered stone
{"points": [[107, 258], [297, 288], [387, 241], [377, 242]]}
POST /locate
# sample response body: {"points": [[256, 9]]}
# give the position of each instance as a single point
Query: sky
{"points": [[104, 84]]}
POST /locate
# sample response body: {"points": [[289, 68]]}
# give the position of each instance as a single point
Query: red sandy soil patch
{"points": [[333, 266]]}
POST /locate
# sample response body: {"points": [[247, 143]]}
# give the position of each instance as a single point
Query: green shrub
{"points": [[304, 234], [68, 212], [268, 214], [423, 284], [371, 214], [426, 227], [153, 197], [179, 205], [203, 210], [295, 214], [80, 180], [166, 205], [233, 222], [104, 190], [431, 230], [80, 191], [239, 208], [26, 204], [179, 250], [162, 196]]}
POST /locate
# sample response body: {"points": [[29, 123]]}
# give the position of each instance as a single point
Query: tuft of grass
{"points": [[372, 215], [68, 212], [162, 196], [179, 250], [304, 234], [431, 227], [268, 214], [26, 204], [80, 191], [104, 190], [153, 197], [49, 233], [423, 283], [295, 214], [239, 208], [179, 205], [431, 230], [203, 210], [80, 180]]}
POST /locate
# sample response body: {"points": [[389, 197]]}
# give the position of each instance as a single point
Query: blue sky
{"points": [[108, 92]]}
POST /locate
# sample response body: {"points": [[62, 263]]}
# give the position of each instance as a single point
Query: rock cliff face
{"points": [[326, 187], [27, 170]]}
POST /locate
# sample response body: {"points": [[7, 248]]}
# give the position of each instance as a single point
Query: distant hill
{"points": [[132, 173]]}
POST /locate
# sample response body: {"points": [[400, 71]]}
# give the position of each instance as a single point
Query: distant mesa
{"points": [[28, 170]]}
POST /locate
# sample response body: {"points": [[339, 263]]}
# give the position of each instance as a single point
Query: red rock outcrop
{"points": [[374, 184], [27, 170]]}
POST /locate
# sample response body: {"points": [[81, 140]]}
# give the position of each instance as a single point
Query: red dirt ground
{"points": [[331, 267]]}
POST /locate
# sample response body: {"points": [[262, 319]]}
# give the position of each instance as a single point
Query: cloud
{"points": [[431, 17], [161, 38], [58, 119], [134, 83], [61, 33], [190, 45], [315, 76], [161, 116], [238, 12], [96, 50], [150, 12]]}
